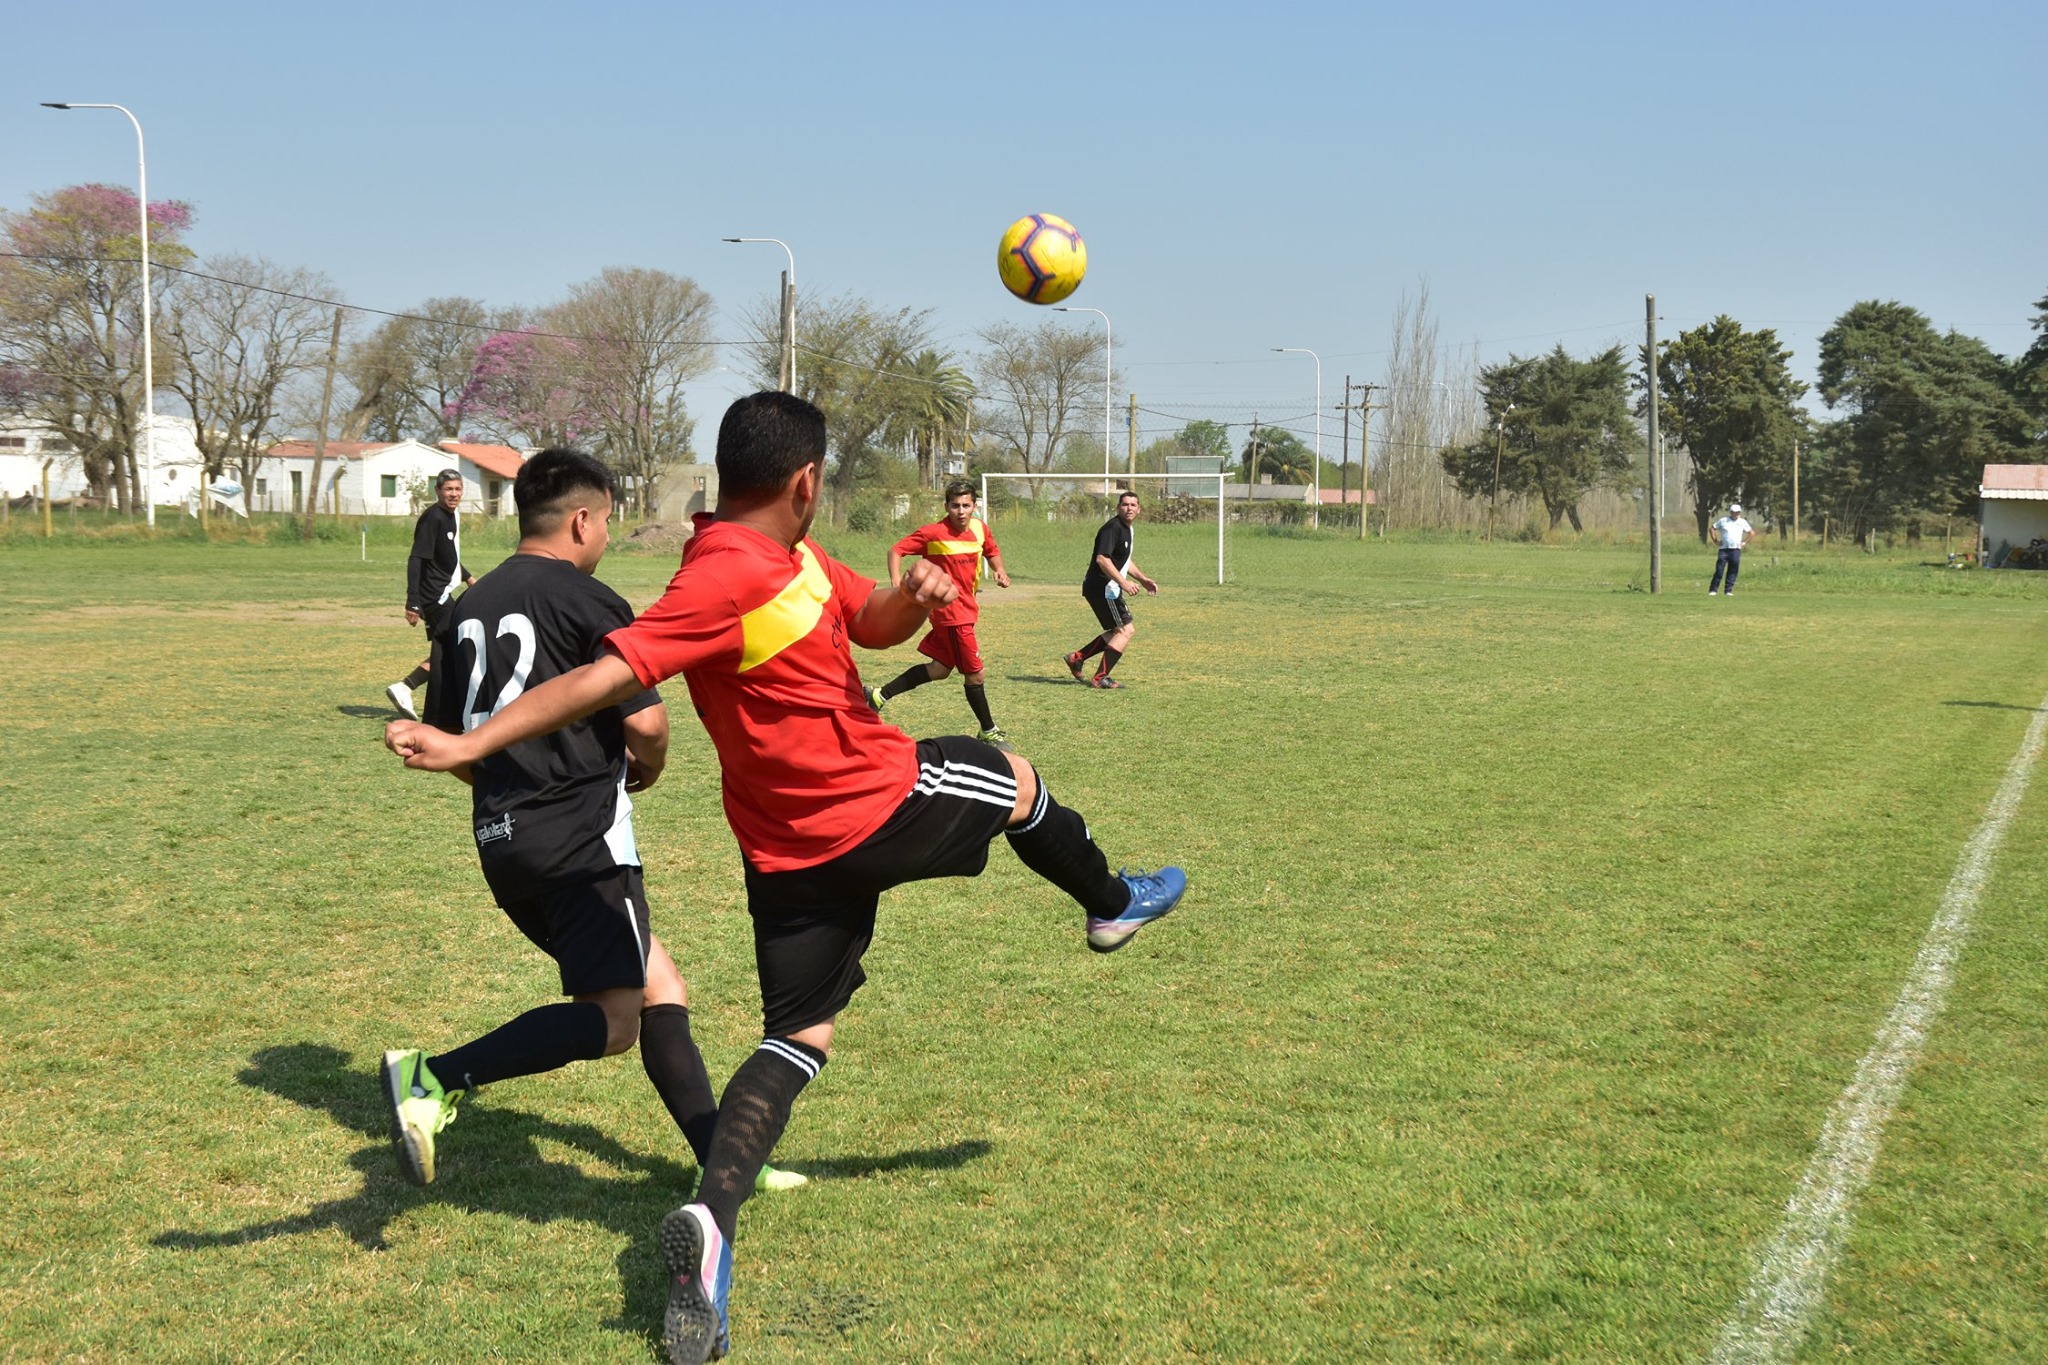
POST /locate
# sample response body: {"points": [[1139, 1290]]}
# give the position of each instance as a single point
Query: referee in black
{"points": [[430, 573], [1111, 579], [554, 828]]}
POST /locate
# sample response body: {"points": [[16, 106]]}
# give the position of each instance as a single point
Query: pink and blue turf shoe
{"points": [[1152, 895]]}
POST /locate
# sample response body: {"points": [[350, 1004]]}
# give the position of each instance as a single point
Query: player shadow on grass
{"points": [[370, 712], [1993, 705], [1063, 679], [494, 1162]]}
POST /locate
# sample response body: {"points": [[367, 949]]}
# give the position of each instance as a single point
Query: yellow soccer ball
{"points": [[1042, 258]]}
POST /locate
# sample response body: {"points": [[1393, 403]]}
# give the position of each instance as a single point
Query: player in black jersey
{"points": [[554, 828], [430, 573], [1111, 579]]}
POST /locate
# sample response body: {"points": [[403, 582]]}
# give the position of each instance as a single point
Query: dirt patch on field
{"points": [[256, 613]]}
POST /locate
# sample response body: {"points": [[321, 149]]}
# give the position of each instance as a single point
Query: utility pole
{"points": [[1131, 440], [1500, 439], [785, 364], [1795, 492], [1650, 381], [320, 432], [1365, 408], [1344, 456]]}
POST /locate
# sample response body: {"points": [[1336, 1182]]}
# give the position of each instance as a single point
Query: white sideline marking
{"points": [[1791, 1275]]}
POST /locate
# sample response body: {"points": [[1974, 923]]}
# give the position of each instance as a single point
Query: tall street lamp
{"points": [[787, 311], [148, 357], [1108, 378], [1316, 509], [1500, 437]]}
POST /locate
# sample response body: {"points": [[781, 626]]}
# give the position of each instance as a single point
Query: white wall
{"points": [[2012, 521]]}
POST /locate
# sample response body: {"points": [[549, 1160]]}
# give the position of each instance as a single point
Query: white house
{"points": [[381, 478], [24, 448], [2014, 508]]}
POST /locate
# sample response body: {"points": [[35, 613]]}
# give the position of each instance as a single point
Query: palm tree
{"points": [[938, 400]]}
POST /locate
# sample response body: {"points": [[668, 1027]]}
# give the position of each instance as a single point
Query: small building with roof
{"points": [[2013, 509]]}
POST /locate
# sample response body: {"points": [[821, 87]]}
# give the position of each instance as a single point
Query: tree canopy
{"points": [[1563, 428], [1728, 396]]}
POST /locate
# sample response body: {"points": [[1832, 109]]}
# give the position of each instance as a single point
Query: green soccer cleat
{"points": [[772, 1181], [875, 698], [420, 1108], [994, 736]]}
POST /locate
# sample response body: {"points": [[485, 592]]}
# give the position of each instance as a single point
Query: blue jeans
{"points": [[1728, 562]]}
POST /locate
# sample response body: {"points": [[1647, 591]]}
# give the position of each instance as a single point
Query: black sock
{"points": [[1109, 658], [417, 678], [977, 697], [677, 1069], [913, 676], [1054, 843], [1092, 648], [538, 1040], [751, 1118]]}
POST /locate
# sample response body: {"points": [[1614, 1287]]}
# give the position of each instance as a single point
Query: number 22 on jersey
{"points": [[472, 634]]}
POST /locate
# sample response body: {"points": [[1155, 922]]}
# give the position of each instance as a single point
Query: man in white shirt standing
{"points": [[1729, 533]]}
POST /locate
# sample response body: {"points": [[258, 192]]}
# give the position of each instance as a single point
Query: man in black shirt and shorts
{"points": [[430, 573], [1112, 578], [554, 828]]}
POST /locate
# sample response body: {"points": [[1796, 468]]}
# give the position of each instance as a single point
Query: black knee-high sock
{"points": [[1054, 843], [538, 1040], [751, 1118], [1109, 658], [417, 678], [913, 676], [977, 697], [677, 1069], [1092, 648]]}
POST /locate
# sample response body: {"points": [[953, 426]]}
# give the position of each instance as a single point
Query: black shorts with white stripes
{"points": [[812, 926], [595, 928]]}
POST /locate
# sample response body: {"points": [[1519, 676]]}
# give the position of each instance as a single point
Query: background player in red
{"points": [[958, 545]]}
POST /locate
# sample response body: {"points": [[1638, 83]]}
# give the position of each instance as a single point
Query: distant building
{"points": [[2014, 510], [687, 489], [25, 447], [385, 478]]}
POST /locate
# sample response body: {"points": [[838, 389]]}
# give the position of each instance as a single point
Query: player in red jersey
{"points": [[958, 545], [831, 806]]}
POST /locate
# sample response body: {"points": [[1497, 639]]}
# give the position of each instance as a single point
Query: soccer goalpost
{"points": [[1082, 502]]}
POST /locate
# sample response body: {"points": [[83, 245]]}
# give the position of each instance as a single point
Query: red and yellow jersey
{"points": [[758, 632], [961, 556]]}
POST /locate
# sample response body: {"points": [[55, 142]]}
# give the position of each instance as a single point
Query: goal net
{"points": [[1054, 517]]}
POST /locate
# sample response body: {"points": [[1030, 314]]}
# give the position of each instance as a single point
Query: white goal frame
{"points": [[1131, 481]]}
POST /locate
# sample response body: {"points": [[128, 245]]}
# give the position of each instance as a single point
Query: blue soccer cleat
{"points": [[1152, 895], [699, 1282]]}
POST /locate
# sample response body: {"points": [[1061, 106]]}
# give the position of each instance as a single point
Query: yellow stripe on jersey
{"points": [[788, 616], [940, 549]]}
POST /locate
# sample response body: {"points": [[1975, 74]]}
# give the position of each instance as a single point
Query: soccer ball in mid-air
{"points": [[1042, 258]]}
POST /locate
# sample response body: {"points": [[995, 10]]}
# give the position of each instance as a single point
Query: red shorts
{"points": [[952, 646]]}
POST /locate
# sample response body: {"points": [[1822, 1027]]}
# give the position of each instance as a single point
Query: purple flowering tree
{"points": [[71, 322], [526, 385]]}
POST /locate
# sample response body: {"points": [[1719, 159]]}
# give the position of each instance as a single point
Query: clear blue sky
{"points": [[1247, 176]]}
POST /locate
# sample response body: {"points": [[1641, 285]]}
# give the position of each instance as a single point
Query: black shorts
{"points": [[596, 929], [1113, 612], [811, 926]]}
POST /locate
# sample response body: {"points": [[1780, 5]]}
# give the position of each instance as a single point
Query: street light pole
{"points": [[1500, 436], [1315, 515], [787, 311], [1108, 378], [148, 356]]}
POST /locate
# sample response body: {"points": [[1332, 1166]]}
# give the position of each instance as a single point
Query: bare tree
{"points": [[641, 335], [1038, 388], [239, 334], [1432, 400], [410, 373]]}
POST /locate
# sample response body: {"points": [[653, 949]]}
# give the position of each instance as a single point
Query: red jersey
{"points": [[960, 556], [759, 634]]}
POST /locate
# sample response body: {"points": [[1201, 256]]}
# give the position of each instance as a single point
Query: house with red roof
{"points": [[386, 478]]}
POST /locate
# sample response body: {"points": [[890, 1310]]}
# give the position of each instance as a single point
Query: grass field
{"points": [[1536, 924]]}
